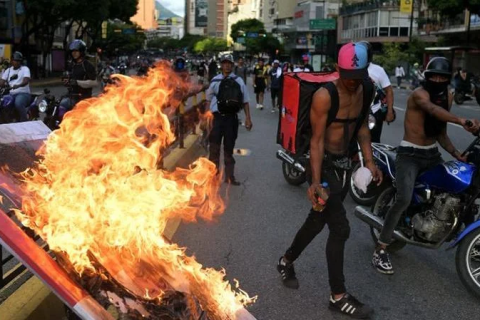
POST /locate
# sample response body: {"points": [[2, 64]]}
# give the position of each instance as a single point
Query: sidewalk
{"points": [[46, 82]]}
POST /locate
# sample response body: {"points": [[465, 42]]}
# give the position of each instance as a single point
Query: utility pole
{"points": [[411, 22]]}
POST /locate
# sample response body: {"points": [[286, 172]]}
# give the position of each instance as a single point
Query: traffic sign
{"points": [[252, 34], [323, 24]]}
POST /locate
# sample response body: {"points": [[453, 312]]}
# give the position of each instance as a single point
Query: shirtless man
{"points": [[425, 124], [328, 156]]}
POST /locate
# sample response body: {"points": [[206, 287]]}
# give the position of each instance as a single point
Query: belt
{"points": [[216, 113]]}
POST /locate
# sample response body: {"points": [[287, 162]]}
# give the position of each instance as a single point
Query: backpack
{"points": [[294, 129], [229, 96]]}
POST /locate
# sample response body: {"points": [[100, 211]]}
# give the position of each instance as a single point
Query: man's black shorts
{"points": [[260, 85]]}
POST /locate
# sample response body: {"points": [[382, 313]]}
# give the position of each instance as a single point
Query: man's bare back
{"points": [[417, 110], [350, 107]]}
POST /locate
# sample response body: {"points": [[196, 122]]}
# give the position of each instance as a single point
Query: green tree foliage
{"points": [[451, 8], [243, 27], [120, 42], [392, 54], [416, 49], [210, 45]]}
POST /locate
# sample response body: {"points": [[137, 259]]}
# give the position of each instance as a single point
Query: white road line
{"points": [[452, 124]]}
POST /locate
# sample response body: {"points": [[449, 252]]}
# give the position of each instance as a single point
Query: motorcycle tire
{"points": [[463, 261], [477, 96], [292, 176], [373, 191], [459, 98], [377, 209]]}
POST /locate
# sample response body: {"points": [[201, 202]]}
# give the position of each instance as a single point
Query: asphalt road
{"points": [[264, 214]]}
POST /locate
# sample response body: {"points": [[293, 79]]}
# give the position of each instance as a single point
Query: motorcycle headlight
{"points": [[42, 106], [371, 122]]}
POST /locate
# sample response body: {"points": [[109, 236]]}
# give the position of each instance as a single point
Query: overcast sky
{"points": [[177, 6]]}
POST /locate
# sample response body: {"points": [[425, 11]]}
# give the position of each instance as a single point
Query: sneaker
{"points": [[381, 261], [258, 106], [273, 111], [261, 106], [350, 306], [288, 274], [232, 181]]}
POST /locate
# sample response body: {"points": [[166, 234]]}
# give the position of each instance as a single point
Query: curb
{"points": [[34, 301]]}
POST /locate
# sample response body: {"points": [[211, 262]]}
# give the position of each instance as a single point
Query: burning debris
{"points": [[99, 201]]}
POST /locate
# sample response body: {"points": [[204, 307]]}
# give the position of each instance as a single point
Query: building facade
{"points": [[171, 27], [196, 17], [217, 24], [146, 15], [377, 22], [239, 10]]}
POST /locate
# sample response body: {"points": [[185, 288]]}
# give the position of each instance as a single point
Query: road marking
{"points": [[452, 124]]}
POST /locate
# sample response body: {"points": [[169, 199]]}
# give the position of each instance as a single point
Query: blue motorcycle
{"points": [[443, 209]]}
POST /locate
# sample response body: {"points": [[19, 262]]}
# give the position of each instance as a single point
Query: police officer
{"points": [[225, 121], [81, 77]]}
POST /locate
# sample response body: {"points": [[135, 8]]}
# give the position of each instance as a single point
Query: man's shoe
{"points": [[350, 306], [381, 261], [261, 106], [287, 272], [232, 181]]}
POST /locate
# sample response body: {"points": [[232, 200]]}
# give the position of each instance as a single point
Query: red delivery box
{"points": [[294, 128]]}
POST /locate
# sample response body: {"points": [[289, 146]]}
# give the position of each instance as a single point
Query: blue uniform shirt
{"points": [[215, 85]]}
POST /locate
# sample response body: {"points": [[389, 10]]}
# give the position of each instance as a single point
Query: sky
{"points": [[177, 6]]}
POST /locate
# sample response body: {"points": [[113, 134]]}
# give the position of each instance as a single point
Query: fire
{"points": [[97, 190]]}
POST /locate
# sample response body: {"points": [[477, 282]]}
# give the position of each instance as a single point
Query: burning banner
{"points": [[97, 197]]}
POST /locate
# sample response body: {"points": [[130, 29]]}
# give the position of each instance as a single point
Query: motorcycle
{"points": [[122, 69], [45, 109], [443, 202], [460, 95], [380, 152], [8, 113], [294, 169]]}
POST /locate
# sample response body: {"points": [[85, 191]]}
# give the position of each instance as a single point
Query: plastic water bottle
{"points": [[321, 195]]}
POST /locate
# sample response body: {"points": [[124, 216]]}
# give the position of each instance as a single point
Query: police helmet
{"points": [[179, 63], [440, 66]]}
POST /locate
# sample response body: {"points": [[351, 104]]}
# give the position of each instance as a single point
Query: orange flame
{"points": [[97, 190]]}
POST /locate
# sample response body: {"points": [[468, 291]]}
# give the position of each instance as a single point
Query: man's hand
{"points": [[471, 125], [15, 86], [377, 174], [457, 155], [248, 124], [312, 192], [390, 116]]}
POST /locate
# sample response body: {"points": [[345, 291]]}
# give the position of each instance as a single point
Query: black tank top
{"points": [[432, 126]]}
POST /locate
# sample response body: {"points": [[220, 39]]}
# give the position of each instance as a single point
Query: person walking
{"points": [[275, 82], [259, 82], [241, 70], [226, 96], [17, 77], [399, 73], [329, 145]]}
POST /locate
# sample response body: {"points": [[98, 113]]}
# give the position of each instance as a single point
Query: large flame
{"points": [[97, 190]]}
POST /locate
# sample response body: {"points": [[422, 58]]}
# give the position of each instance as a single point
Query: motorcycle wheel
{"points": [[293, 177], [477, 96], [459, 98], [373, 191], [467, 261], [380, 208]]}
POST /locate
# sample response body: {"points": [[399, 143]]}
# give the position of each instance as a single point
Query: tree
{"points": [[451, 8], [416, 49], [122, 38], [243, 27], [210, 45], [392, 54]]}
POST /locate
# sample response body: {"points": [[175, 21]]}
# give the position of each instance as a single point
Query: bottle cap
{"points": [[325, 184]]}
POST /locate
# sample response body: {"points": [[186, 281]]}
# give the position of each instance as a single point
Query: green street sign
{"points": [[323, 24]]}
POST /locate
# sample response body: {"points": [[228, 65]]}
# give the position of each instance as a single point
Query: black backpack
{"points": [[229, 96]]}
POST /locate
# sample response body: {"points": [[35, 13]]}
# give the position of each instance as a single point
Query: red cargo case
{"points": [[294, 126]]}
